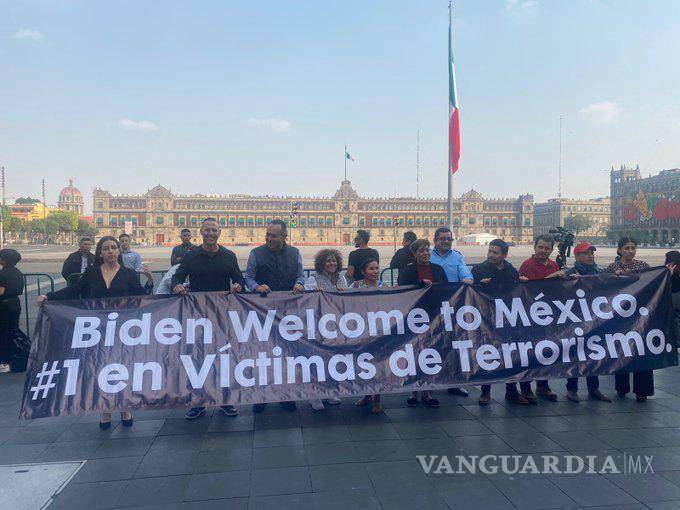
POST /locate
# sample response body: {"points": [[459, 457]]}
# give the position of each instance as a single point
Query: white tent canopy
{"points": [[481, 238]]}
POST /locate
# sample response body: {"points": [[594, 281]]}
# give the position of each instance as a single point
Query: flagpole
{"points": [[449, 200], [344, 156]]}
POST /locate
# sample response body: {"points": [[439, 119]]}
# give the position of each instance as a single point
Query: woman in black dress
{"points": [[11, 287], [421, 272], [626, 263], [107, 278]]}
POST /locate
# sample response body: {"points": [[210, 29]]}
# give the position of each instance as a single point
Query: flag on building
{"points": [[350, 157], [454, 122]]}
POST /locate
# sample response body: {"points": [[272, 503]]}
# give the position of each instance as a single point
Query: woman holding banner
{"points": [[371, 271], [422, 271], [107, 278], [643, 382], [328, 278]]}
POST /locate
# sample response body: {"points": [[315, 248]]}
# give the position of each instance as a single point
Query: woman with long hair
{"points": [[371, 271], [327, 278], [626, 263], [421, 272], [11, 287], [106, 278]]}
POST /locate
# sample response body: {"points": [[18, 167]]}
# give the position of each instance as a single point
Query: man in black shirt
{"points": [[78, 261], [180, 250], [275, 266], [404, 256], [209, 267], [358, 256], [497, 275]]}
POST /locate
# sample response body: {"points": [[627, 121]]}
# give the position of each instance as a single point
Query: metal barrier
{"points": [[46, 278], [394, 274]]}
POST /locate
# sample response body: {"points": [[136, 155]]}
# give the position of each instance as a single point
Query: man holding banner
{"points": [[275, 265], [209, 267]]}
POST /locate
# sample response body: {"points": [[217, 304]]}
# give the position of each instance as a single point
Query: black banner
{"points": [[215, 348]]}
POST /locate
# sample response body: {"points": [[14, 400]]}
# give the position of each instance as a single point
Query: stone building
{"points": [[551, 214], [646, 207], [70, 199], [157, 216]]}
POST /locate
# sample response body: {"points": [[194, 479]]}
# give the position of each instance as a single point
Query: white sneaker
{"points": [[316, 404], [333, 401], [5, 368]]}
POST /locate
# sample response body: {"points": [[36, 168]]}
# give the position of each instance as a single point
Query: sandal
{"points": [[376, 408], [412, 401], [365, 400], [431, 402]]}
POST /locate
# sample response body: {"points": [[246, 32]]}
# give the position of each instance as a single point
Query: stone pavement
{"points": [[346, 457]]}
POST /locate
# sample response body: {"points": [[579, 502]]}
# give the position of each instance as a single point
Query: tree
{"points": [[85, 229], [578, 223], [64, 221], [27, 200]]}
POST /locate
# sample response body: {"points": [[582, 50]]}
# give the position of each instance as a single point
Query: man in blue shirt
{"points": [[455, 268], [131, 259], [452, 261]]}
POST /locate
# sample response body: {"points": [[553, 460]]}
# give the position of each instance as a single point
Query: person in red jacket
{"points": [[537, 267]]}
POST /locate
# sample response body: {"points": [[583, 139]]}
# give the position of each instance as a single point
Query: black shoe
{"points": [[104, 425], [194, 412], [127, 423], [461, 392], [289, 405], [229, 411], [258, 408]]}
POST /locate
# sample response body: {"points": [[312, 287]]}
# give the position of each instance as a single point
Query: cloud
{"points": [[522, 7], [276, 125], [137, 125], [604, 112], [34, 35]]}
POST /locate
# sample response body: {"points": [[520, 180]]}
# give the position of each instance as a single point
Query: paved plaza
{"points": [[346, 457]]}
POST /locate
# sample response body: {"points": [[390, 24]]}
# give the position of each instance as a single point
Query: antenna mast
{"points": [[418, 166], [559, 165]]}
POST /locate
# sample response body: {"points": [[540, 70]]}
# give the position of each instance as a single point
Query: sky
{"points": [[260, 97]]}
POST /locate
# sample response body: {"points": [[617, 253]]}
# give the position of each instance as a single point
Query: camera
{"points": [[565, 240]]}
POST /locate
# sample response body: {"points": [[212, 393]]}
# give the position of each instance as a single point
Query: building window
{"points": [[320, 221], [100, 222], [362, 221], [472, 221], [260, 221], [223, 222], [159, 220], [113, 221], [345, 221], [418, 222], [240, 222], [303, 221], [329, 221], [232, 221], [194, 221], [410, 222], [389, 222], [427, 222], [181, 221], [487, 222], [311, 221], [442, 221], [250, 222], [527, 222], [375, 222], [495, 222], [382, 221]]}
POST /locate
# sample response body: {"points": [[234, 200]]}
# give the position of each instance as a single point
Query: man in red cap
{"points": [[537, 267], [584, 265]]}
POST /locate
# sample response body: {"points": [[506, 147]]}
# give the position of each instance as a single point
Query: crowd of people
{"points": [[114, 270]]}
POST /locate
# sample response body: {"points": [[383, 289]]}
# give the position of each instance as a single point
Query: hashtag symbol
{"points": [[44, 378]]}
